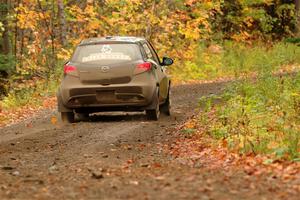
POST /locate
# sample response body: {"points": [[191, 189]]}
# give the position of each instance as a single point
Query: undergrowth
{"points": [[260, 117], [233, 59], [32, 91]]}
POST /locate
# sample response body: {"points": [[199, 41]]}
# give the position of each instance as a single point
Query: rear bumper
{"points": [[135, 95], [107, 98]]}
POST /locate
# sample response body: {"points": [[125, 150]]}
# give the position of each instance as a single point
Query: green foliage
{"points": [[292, 40], [241, 20], [234, 59], [7, 63], [260, 116], [29, 95], [29, 92]]}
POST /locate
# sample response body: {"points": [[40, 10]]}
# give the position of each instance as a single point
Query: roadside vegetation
{"points": [[258, 113], [235, 59], [258, 116]]}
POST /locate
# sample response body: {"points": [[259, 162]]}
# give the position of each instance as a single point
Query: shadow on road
{"points": [[115, 117]]}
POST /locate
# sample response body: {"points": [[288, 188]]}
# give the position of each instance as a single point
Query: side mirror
{"points": [[167, 61]]}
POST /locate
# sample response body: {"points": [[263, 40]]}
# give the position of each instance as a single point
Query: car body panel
{"points": [[101, 86]]}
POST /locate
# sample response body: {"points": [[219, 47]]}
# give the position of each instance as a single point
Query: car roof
{"points": [[125, 39]]}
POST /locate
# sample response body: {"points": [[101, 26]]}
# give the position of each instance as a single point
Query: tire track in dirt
{"points": [[116, 156]]}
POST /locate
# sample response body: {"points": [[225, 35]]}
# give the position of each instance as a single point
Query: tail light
{"points": [[143, 67], [69, 69]]}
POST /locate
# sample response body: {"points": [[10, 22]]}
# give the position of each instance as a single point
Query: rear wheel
{"points": [[68, 117], [166, 107], [154, 113], [82, 116]]}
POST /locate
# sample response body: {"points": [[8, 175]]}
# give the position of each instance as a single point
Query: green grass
{"points": [[261, 117], [232, 59]]}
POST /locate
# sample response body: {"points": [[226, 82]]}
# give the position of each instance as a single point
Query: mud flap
{"points": [[153, 104], [60, 106]]}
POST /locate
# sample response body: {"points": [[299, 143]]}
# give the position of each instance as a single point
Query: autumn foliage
{"points": [[38, 36]]}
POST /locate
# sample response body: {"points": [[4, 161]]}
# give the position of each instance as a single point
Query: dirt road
{"points": [[116, 156]]}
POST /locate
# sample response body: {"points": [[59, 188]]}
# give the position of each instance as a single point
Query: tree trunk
{"points": [[297, 5], [62, 22], [16, 35], [50, 29], [5, 46], [297, 9], [149, 30]]}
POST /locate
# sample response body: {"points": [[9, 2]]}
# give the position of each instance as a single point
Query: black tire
{"points": [[82, 116], [154, 113], [68, 117], [166, 107]]}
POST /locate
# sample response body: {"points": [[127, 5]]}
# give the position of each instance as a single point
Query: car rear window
{"points": [[107, 53]]}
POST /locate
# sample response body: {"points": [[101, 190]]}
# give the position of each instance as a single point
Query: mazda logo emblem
{"points": [[105, 69]]}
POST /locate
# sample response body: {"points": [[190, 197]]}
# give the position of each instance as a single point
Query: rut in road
{"points": [[114, 156]]}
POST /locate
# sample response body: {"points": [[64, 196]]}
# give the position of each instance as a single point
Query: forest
{"points": [[37, 36], [208, 39]]}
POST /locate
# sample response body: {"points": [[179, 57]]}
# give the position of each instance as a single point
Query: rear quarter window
{"points": [[107, 53]]}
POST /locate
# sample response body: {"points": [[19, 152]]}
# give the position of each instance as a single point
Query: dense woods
{"points": [[36, 36]]}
